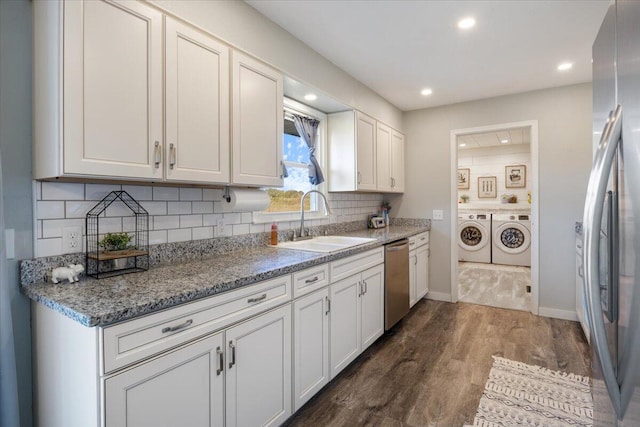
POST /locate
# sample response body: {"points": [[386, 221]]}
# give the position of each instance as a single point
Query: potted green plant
{"points": [[116, 246]]}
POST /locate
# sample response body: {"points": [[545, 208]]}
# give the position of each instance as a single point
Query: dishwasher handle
{"points": [[397, 246]]}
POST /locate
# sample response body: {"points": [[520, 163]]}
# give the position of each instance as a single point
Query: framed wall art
{"points": [[515, 176], [487, 187], [463, 179]]}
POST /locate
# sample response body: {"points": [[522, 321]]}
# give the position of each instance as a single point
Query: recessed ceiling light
{"points": [[462, 145], [311, 97], [466, 23], [504, 141], [565, 66], [426, 92]]}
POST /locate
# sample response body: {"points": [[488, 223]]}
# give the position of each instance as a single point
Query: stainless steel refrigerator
{"points": [[612, 219]]}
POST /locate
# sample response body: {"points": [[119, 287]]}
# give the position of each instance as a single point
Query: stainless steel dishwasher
{"points": [[396, 282]]}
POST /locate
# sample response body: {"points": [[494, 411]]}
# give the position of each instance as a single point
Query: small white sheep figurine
{"points": [[70, 273]]}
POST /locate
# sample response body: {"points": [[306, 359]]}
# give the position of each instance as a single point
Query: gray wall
{"points": [[564, 125], [15, 145]]}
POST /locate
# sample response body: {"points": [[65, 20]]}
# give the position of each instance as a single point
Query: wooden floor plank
{"points": [[430, 369]]}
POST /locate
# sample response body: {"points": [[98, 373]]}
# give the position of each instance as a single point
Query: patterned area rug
{"points": [[517, 394]]}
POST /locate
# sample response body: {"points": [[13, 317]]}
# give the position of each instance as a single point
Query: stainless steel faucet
{"points": [[326, 205]]}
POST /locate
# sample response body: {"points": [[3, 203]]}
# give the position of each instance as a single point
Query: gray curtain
{"points": [[9, 411], [308, 130]]}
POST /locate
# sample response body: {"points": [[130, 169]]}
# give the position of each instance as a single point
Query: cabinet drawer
{"points": [[307, 281], [354, 264], [421, 239], [129, 342]]}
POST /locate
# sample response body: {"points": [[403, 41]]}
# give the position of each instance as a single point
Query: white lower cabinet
{"points": [[258, 370], [182, 387], [310, 345], [357, 315], [422, 271], [413, 259]]}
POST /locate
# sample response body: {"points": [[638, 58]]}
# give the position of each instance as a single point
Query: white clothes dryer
{"points": [[474, 237], [511, 239]]}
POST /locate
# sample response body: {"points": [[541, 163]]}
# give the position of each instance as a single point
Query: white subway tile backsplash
{"points": [[110, 225], [177, 208], [200, 233], [166, 193], [98, 191], [232, 218], [211, 194], [157, 237], [78, 209], [166, 222], [179, 235], [187, 193], [202, 207], [62, 191], [259, 228], [117, 208], [240, 229], [246, 217], [49, 210], [53, 227], [189, 221], [210, 219], [38, 229], [49, 247], [38, 187], [155, 208], [139, 192]]}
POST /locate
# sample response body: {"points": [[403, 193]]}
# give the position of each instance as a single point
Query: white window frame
{"points": [[295, 107]]}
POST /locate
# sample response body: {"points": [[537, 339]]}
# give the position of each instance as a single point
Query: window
{"points": [[285, 200]]}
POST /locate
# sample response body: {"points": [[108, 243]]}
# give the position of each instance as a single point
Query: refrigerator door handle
{"points": [[593, 210]]}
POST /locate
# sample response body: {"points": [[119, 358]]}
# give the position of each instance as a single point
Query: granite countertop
{"points": [[93, 302], [578, 228]]}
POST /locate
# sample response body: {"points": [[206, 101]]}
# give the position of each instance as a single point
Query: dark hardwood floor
{"points": [[430, 369]]}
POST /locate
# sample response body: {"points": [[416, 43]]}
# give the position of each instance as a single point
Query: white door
{"points": [[197, 105], [383, 150], [422, 271], [112, 89], [258, 370], [181, 388], [372, 301], [366, 152], [258, 123], [413, 298], [397, 162], [344, 322], [310, 345]]}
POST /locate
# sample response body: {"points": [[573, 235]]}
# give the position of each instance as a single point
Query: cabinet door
{"points": [[383, 157], [258, 375], [366, 152], [422, 271], [372, 301], [112, 89], [413, 298], [183, 387], [310, 345], [397, 162], [258, 123], [344, 322], [197, 105]]}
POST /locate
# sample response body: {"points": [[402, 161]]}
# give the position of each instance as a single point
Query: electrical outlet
{"points": [[72, 239], [438, 214], [222, 230]]}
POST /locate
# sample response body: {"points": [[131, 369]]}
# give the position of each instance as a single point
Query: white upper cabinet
{"points": [[383, 154], [397, 162], [197, 105], [258, 123], [366, 156], [102, 115]]}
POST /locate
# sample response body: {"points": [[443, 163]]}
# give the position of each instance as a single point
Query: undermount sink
{"points": [[326, 244]]}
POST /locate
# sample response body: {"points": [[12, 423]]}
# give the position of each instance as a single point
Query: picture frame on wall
{"points": [[463, 179], [515, 176], [487, 187]]}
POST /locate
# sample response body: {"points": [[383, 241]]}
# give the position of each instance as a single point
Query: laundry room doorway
{"points": [[494, 228]]}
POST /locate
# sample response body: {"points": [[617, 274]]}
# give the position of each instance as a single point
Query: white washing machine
{"points": [[474, 237], [511, 239]]}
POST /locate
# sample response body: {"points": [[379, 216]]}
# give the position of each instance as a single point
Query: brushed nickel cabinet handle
{"points": [[220, 366], [359, 179], [312, 280], [177, 327], [328, 306], [172, 156], [233, 354], [366, 286], [157, 154], [257, 299]]}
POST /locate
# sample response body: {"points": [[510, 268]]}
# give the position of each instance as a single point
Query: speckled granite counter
{"points": [[578, 228], [94, 302]]}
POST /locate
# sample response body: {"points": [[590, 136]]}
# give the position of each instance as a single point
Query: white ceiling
{"points": [[515, 136], [399, 47]]}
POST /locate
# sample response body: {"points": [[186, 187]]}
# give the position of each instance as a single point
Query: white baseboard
{"points": [[438, 296], [557, 313]]}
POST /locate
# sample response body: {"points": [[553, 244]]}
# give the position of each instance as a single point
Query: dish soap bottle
{"points": [[274, 234]]}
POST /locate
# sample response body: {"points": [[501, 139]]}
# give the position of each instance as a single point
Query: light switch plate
{"points": [[438, 214]]}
